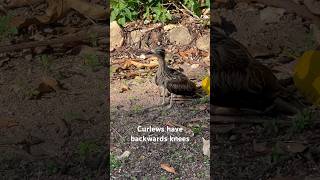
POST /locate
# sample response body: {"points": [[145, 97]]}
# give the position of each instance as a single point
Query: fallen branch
{"points": [[82, 36], [217, 120]]}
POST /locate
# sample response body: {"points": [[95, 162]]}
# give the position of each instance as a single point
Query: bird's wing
{"points": [[156, 79], [238, 70], [232, 54], [175, 73], [180, 86]]}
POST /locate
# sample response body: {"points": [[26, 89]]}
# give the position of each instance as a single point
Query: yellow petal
{"points": [[307, 76]]}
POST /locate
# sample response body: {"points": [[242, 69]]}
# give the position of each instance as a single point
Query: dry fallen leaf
{"points": [[168, 168], [294, 147], [206, 147], [260, 147], [139, 65], [51, 82], [57, 9], [124, 88], [7, 123], [188, 53], [124, 155], [47, 85]]}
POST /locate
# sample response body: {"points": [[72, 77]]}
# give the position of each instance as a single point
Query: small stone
{"points": [[206, 147], [203, 43], [194, 66], [124, 155], [48, 30], [313, 6], [116, 37], [233, 137], [136, 36], [271, 14], [39, 49], [169, 27], [180, 36], [28, 57]]}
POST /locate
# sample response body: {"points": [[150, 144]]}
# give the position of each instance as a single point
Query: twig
{"points": [[194, 15], [156, 26], [176, 7], [122, 138], [82, 36]]}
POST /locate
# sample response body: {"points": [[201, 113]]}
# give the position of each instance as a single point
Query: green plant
{"points": [[46, 62], [207, 3], [271, 127], [193, 5], [123, 11], [5, 29], [159, 13], [197, 130], [153, 10], [303, 120], [201, 175], [52, 168], [93, 39], [137, 108], [202, 100], [86, 148], [70, 116], [114, 162], [275, 153], [163, 178], [92, 61]]}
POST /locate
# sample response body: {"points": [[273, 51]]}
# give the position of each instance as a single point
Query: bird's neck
{"points": [[162, 64]]}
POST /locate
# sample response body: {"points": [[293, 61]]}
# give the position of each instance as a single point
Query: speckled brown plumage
{"points": [[172, 80], [241, 81]]}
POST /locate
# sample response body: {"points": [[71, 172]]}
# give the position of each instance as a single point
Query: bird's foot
{"points": [[169, 106], [224, 111]]}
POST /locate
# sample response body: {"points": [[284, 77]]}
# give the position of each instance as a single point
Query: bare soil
{"points": [[264, 147]]}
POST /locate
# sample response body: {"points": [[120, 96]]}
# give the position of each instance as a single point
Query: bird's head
{"points": [[158, 52]]}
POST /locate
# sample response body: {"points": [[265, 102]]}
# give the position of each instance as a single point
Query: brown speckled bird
{"points": [[171, 80], [240, 81]]}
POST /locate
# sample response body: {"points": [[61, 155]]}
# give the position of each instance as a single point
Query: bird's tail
{"points": [[289, 101], [199, 93]]}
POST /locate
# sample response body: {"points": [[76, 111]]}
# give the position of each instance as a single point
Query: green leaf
{"points": [[122, 21], [114, 14], [128, 14], [208, 3]]}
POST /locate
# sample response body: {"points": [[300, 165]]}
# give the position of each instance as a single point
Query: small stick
{"points": [[80, 36], [194, 15]]}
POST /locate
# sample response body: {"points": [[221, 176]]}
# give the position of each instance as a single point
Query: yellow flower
{"points": [[205, 84], [307, 76]]}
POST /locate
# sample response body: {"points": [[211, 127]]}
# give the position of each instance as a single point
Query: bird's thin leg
{"points": [[171, 100], [163, 95]]}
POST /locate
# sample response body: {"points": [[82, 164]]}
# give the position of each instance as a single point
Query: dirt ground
{"points": [[263, 147], [135, 102], [53, 103]]}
